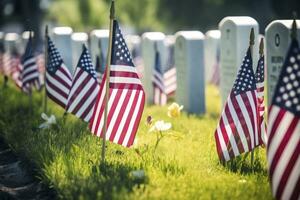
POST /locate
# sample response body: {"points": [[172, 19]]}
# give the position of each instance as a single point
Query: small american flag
{"points": [[215, 78], [84, 88], [260, 81], [2, 51], [237, 129], [30, 74], [126, 96], [58, 77], [283, 149], [164, 82]]}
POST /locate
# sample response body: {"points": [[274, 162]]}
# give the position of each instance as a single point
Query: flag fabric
{"points": [[260, 85], [164, 81], [126, 96], [84, 88], [58, 77], [283, 149], [30, 74], [215, 78], [237, 130], [159, 95]]}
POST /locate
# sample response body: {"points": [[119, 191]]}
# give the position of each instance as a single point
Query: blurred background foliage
{"points": [[142, 15]]}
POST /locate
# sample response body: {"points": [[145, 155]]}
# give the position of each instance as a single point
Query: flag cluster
{"points": [[237, 131]]}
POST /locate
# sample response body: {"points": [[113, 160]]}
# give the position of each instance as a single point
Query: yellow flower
{"points": [[174, 110]]}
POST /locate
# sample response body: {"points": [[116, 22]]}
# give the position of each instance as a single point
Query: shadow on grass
{"points": [[110, 180]]}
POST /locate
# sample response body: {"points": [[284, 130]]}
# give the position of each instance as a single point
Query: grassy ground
{"points": [[184, 166]]}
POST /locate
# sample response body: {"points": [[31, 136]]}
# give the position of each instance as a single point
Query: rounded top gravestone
{"points": [[62, 40], [189, 63], [211, 48], [149, 39], [11, 41], [277, 43], [99, 44], [78, 39], [235, 32]]}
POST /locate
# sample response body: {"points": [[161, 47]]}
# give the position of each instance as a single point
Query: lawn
{"points": [[185, 164]]}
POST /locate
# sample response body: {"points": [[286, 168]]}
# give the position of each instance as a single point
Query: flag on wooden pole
{"points": [[58, 77], [84, 88], [237, 131], [283, 150], [260, 85], [30, 73], [126, 96]]}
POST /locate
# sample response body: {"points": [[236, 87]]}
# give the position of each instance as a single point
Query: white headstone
{"points": [[277, 43], [235, 33], [189, 62], [78, 40], [211, 48], [11, 42], [99, 37], [148, 54], [62, 40]]}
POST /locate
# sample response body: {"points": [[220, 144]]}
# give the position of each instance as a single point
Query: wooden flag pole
{"points": [[112, 17], [46, 62], [251, 43], [294, 26], [30, 90]]}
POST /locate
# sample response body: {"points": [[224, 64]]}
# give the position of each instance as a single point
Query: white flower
{"points": [[160, 126], [48, 121], [139, 174]]}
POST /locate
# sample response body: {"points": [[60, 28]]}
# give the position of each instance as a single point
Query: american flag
{"points": [[237, 131], [58, 77], [260, 81], [84, 88], [164, 81], [126, 96], [30, 74], [283, 149], [215, 78]]}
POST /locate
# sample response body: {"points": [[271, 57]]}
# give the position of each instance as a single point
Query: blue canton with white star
{"points": [[245, 79], [85, 63], [54, 59], [287, 92], [259, 75], [28, 51], [120, 52]]}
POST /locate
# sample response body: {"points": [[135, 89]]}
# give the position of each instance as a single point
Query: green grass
{"points": [[184, 166]]}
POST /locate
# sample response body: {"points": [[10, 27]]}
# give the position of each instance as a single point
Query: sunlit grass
{"points": [[185, 165]]}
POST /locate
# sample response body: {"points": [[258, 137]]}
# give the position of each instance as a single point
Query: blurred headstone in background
{"points": [[235, 34], [62, 40], [211, 52], [99, 38], [78, 39], [148, 54], [277, 43], [134, 43], [189, 62]]}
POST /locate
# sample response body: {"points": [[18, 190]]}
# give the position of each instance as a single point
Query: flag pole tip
{"points": [[252, 37], [112, 10], [46, 30], [294, 26], [261, 46]]}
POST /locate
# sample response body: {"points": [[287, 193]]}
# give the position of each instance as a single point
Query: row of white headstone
{"points": [[195, 54]]}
